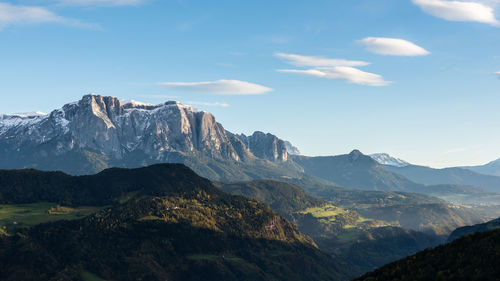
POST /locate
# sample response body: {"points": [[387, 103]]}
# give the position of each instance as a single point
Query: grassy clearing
{"points": [[13, 217], [326, 211], [233, 258], [350, 221], [149, 218]]}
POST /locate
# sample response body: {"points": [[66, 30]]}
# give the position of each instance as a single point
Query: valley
{"points": [[348, 214], [190, 140]]}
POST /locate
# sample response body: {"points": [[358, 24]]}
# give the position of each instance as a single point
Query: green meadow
{"points": [[17, 216]]}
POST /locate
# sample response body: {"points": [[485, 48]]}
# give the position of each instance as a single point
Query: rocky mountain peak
{"points": [[101, 131], [265, 146], [291, 149], [355, 155]]}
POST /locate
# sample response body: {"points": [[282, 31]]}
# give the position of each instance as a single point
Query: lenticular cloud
{"points": [[459, 11], [393, 47]]}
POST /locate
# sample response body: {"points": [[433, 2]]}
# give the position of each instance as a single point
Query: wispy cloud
{"points": [[317, 61], [346, 73], [218, 104], [332, 69], [219, 87], [100, 2], [497, 74], [392, 47], [459, 11], [17, 14]]}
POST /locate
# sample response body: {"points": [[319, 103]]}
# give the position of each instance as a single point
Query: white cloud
{"points": [[316, 61], [497, 74], [459, 11], [392, 47], [219, 104], [332, 69], [219, 87], [100, 2], [15, 14], [346, 73]]}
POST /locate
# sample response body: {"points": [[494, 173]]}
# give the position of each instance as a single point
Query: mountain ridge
{"points": [[98, 132]]}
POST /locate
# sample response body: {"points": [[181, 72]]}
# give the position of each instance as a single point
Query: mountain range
{"points": [[362, 211], [454, 175], [98, 132]]}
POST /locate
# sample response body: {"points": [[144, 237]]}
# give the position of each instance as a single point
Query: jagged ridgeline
{"points": [[165, 223], [99, 132]]}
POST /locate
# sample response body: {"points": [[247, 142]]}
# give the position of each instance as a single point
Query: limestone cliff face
{"points": [[107, 126], [266, 146], [97, 132]]}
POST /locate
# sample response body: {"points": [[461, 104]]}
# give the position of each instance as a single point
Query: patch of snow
{"points": [[386, 159], [8, 121], [135, 103], [27, 114]]}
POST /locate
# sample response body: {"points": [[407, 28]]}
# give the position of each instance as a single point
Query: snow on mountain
{"points": [[109, 131], [386, 159], [8, 121], [135, 103]]}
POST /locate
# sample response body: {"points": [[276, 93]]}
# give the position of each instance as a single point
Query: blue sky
{"points": [[429, 96]]}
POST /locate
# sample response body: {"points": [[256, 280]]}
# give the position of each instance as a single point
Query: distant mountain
{"points": [[457, 176], [99, 132], [361, 244], [483, 227], [492, 168], [165, 223], [355, 170], [386, 159], [473, 257]]}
